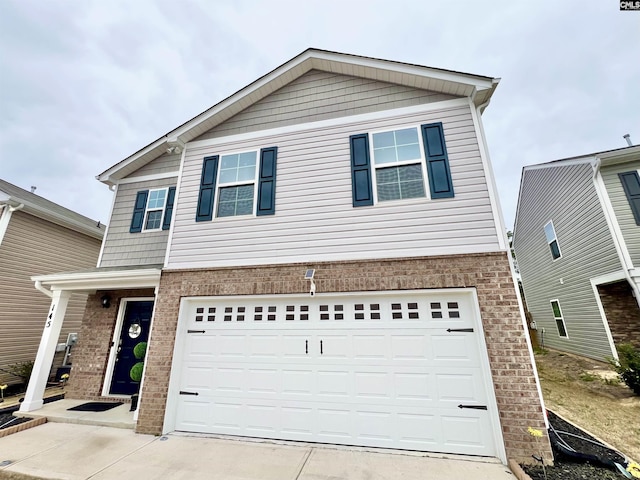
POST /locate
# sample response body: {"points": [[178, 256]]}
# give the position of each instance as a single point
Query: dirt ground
{"points": [[587, 393]]}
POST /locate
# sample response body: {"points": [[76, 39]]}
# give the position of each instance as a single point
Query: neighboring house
{"points": [[37, 237], [318, 257], [577, 240]]}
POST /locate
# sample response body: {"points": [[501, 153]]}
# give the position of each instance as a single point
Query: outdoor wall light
{"points": [[309, 276], [106, 300]]}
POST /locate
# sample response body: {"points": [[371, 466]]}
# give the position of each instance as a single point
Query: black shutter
{"points": [[138, 211], [207, 189], [631, 185], [267, 181], [166, 222], [435, 150], [361, 170]]}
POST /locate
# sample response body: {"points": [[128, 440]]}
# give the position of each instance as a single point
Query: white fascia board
{"points": [[61, 220], [111, 280], [107, 175], [619, 156], [333, 122], [562, 163]]}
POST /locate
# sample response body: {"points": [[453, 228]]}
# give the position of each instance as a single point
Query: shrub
{"points": [[136, 372], [22, 370], [628, 366], [140, 350]]}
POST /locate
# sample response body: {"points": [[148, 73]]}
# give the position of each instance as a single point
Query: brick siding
{"points": [[513, 377], [622, 312], [91, 353]]}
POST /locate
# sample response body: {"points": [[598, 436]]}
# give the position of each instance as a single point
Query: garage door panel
{"points": [[372, 369]]}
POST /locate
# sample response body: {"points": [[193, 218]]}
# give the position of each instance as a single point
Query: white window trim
{"points": [[220, 185], [561, 318], [423, 165], [147, 209], [555, 237]]}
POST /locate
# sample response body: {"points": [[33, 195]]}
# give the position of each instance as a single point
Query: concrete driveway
{"points": [[68, 451]]}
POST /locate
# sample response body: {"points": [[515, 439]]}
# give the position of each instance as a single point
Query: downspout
{"points": [[46, 291], [625, 267]]}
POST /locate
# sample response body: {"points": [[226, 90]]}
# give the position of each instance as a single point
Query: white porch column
{"points": [[46, 351]]}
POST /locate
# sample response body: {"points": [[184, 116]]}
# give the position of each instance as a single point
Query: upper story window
{"points": [[152, 210], [155, 209], [398, 164], [552, 240], [631, 186], [237, 184]]}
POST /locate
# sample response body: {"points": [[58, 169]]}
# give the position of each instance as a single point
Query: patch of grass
{"points": [[588, 377], [540, 351]]}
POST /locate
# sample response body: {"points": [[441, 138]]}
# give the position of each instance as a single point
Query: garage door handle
{"points": [[469, 330], [474, 407], [320, 347], [306, 346], [195, 331], [182, 392]]}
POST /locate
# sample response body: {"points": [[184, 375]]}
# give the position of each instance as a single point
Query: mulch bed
{"points": [[568, 468], [4, 418]]}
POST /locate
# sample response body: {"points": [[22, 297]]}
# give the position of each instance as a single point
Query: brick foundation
{"points": [[513, 377], [91, 353], [622, 312]]}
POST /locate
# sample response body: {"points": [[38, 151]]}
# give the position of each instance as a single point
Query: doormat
{"points": [[95, 406]]}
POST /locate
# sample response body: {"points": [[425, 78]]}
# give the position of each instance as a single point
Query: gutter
{"points": [[598, 182], [46, 291]]}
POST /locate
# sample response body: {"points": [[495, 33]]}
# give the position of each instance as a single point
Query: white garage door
{"points": [[397, 371]]}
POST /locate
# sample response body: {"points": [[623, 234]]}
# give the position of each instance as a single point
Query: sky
{"points": [[85, 83]]}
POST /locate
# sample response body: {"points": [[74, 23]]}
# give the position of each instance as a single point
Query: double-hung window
{"points": [[155, 209], [557, 315], [552, 240], [399, 164], [237, 185], [152, 210]]}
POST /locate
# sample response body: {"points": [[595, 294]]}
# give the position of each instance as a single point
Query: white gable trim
{"points": [[320, 124]]}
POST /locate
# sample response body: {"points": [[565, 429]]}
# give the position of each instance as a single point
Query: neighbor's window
{"points": [[557, 315], [552, 240], [154, 213], [236, 188], [399, 164]]}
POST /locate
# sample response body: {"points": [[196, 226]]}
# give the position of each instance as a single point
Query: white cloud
{"points": [[85, 84]]}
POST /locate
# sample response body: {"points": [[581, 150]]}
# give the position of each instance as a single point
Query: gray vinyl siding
{"points": [[319, 95], [33, 246], [315, 219], [630, 231], [566, 195], [122, 248], [163, 164]]}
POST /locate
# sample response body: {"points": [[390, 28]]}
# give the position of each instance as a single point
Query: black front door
{"points": [[135, 329]]}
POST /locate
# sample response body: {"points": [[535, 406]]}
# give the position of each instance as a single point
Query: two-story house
{"points": [[38, 236], [319, 257], [577, 241]]}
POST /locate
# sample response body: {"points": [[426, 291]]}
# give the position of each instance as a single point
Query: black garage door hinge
{"points": [[182, 392], [470, 330], [474, 407]]}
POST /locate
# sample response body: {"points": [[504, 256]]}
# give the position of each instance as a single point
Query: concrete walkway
{"points": [[67, 451]]}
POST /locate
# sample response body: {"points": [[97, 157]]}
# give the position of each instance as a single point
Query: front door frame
{"points": [[113, 349]]}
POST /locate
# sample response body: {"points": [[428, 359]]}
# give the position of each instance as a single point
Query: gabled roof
{"points": [[606, 157], [477, 87], [41, 207]]}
